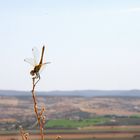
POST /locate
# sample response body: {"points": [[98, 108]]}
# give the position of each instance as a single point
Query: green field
{"points": [[65, 123]]}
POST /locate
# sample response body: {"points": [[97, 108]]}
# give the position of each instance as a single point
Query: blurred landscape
{"points": [[90, 112]]}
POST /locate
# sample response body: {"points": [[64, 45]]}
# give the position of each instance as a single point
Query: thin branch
{"points": [[38, 115]]}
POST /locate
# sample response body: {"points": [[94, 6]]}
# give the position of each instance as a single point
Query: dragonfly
{"points": [[37, 65]]}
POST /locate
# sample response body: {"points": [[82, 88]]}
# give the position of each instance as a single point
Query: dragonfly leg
{"points": [[37, 77]]}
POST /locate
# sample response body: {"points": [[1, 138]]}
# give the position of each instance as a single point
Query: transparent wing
{"points": [[35, 55], [30, 61], [43, 66]]}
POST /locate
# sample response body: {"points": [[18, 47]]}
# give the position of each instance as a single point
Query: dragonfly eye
{"points": [[32, 72]]}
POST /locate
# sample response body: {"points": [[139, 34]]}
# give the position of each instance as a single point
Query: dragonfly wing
{"points": [[35, 55], [30, 61], [43, 66]]}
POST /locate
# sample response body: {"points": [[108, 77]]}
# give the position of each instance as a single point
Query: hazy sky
{"points": [[92, 44]]}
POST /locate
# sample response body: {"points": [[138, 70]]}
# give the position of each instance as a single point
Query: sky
{"points": [[91, 44]]}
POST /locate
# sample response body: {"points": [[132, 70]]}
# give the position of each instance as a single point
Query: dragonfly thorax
{"points": [[35, 71]]}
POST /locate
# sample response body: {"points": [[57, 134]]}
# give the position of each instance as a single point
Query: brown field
{"points": [[19, 110], [75, 136], [102, 132], [111, 128], [10, 106]]}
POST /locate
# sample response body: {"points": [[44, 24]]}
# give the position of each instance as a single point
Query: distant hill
{"points": [[84, 93]]}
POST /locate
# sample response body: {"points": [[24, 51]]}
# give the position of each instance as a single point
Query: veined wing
{"points": [[30, 61], [43, 66], [35, 55]]}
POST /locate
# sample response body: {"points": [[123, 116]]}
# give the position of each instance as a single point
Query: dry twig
{"points": [[39, 115]]}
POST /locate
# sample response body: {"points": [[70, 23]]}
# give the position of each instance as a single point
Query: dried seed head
{"points": [[58, 138], [26, 135], [36, 106], [43, 109], [43, 119], [20, 127]]}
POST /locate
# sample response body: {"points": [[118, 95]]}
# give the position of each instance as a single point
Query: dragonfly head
{"points": [[32, 72]]}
